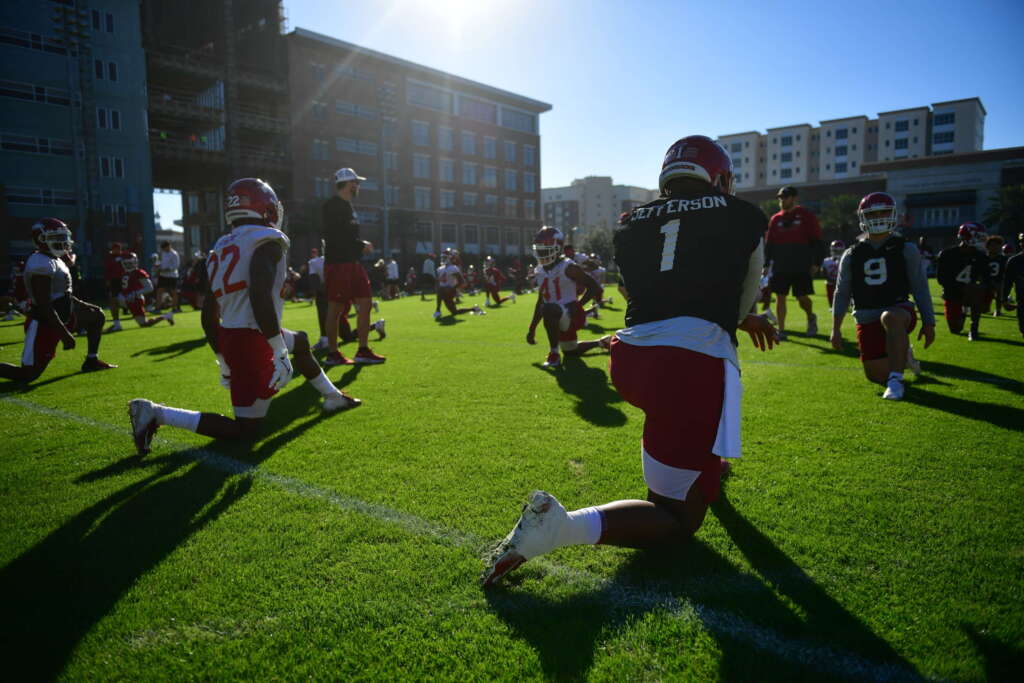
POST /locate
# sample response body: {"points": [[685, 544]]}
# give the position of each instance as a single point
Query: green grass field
{"points": [[857, 538]]}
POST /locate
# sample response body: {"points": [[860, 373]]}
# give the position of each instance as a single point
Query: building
{"points": [[73, 126], [591, 202], [839, 149], [449, 162], [218, 103]]}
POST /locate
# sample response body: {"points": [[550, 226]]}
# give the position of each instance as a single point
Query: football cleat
{"points": [[115, 326], [94, 364], [336, 358], [340, 402], [365, 356], [169, 317], [379, 327], [320, 345], [479, 311], [437, 314], [770, 317], [893, 390], [535, 533], [142, 413], [554, 360], [812, 326]]}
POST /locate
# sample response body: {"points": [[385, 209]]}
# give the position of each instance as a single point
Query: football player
{"points": [[493, 279], [1014, 279], [880, 273], [962, 271], [16, 300], [54, 313], [241, 318], [830, 266], [690, 262], [135, 285], [996, 269], [113, 272], [560, 282], [449, 279]]}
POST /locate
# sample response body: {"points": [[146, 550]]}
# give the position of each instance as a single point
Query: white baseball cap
{"points": [[343, 175]]}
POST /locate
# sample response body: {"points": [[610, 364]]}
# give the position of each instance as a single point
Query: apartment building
{"points": [[72, 126], [449, 162], [591, 202]]}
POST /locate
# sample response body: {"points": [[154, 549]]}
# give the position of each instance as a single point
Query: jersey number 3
{"points": [[229, 252], [668, 252]]}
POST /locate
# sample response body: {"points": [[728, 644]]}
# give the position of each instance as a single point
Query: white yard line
{"points": [[617, 595]]}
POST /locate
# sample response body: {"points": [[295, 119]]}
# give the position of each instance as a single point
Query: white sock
{"points": [[583, 527], [896, 375], [176, 417], [323, 385], [323, 340]]}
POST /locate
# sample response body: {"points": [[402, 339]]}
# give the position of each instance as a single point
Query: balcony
{"points": [[197, 62], [254, 118], [175, 148], [184, 104]]}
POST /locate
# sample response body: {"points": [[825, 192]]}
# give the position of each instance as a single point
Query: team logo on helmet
{"points": [[254, 200]]}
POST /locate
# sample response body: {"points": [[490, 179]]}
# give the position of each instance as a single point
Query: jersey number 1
{"points": [[231, 251], [668, 252]]}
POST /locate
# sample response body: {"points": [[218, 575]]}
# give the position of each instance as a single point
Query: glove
{"points": [[225, 372], [282, 364]]}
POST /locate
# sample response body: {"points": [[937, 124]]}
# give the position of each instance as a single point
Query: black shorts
{"points": [[800, 282], [114, 284], [426, 279], [167, 282]]}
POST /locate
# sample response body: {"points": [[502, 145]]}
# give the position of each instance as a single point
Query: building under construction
{"points": [[218, 102]]}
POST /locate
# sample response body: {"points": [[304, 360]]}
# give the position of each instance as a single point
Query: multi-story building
{"points": [[218, 103], [747, 152], [449, 162], [591, 202], [72, 126]]}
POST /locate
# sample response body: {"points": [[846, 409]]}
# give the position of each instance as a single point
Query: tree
{"points": [[770, 207], [598, 241], [1006, 215], [839, 218]]}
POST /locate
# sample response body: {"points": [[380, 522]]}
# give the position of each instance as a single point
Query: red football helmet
{"points": [[251, 198], [973, 233], [837, 248], [547, 245], [877, 213], [129, 261], [697, 156], [52, 235], [1007, 250]]}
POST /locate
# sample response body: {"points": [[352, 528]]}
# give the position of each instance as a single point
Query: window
{"points": [[518, 120], [468, 142], [529, 208], [448, 200], [420, 133], [447, 170], [492, 236], [738, 162], [424, 232], [391, 195], [423, 95], [321, 150], [510, 152], [840, 167], [945, 119], [490, 176], [478, 110], [942, 138], [490, 148], [468, 174], [118, 167], [115, 119], [510, 180], [785, 173], [529, 155], [101, 117], [317, 72], [96, 20], [343, 107], [841, 133], [470, 234], [901, 126], [110, 28], [786, 157], [421, 197], [469, 200], [786, 140], [446, 138], [420, 166], [900, 143], [105, 167], [529, 182], [391, 161], [98, 65], [840, 150], [112, 71], [491, 203], [511, 207], [448, 233], [736, 147], [319, 111], [511, 241]]}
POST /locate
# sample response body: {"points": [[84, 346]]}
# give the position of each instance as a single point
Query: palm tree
{"points": [[1007, 210]]}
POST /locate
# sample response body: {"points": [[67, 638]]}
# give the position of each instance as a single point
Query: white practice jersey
{"points": [[316, 266], [554, 285], [446, 275], [830, 266], [599, 275], [53, 268], [228, 269]]}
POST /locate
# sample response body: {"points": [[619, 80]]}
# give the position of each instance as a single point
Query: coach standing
{"points": [[794, 247], [167, 282], [345, 278]]}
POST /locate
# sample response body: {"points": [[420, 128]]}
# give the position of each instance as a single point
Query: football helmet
{"points": [[700, 157], [130, 261], [836, 248], [973, 234], [251, 199], [877, 213], [52, 235], [548, 244], [1007, 250], [446, 257]]}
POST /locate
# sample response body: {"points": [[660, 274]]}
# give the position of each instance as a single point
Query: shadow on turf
{"points": [[450, 319], [1003, 661], [12, 387], [996, 414], [592, 389], [948, 371], [849, 350], [174, 350], [58, 590], [566, 633]]}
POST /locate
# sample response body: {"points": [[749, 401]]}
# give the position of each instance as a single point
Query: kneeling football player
{"points": [[449, 280], [962, 271], [241, 317], [559, 283], [880, 273], [135, 285], [54, 313]]}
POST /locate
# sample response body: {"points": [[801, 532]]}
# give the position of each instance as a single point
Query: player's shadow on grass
{"points": [[58, 590], [956, 372], [12, 387], [169, 351], [1003, 661], [450, 319], [996, 414], [592, 389], [849, 349], [348, 376]]}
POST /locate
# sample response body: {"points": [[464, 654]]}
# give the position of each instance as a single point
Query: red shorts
{"points": [[252, 365], [573, 320], [41, 342], [681, 393], [871, 336], [346, 281], [137, 307], [954, 310]]}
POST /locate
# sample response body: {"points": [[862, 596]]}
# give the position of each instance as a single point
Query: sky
{"points": [[626, 79]]}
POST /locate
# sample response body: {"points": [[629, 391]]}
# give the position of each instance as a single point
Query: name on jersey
{"points": [[679, 206]]}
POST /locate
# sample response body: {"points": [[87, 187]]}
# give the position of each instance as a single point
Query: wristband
{"points": [[222, 363], [277, 344]]}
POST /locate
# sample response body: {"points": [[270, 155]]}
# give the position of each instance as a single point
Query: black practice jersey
{"points": [[958, 268], [688, 256], [340, 232], [879, 276], [996, 270]]}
